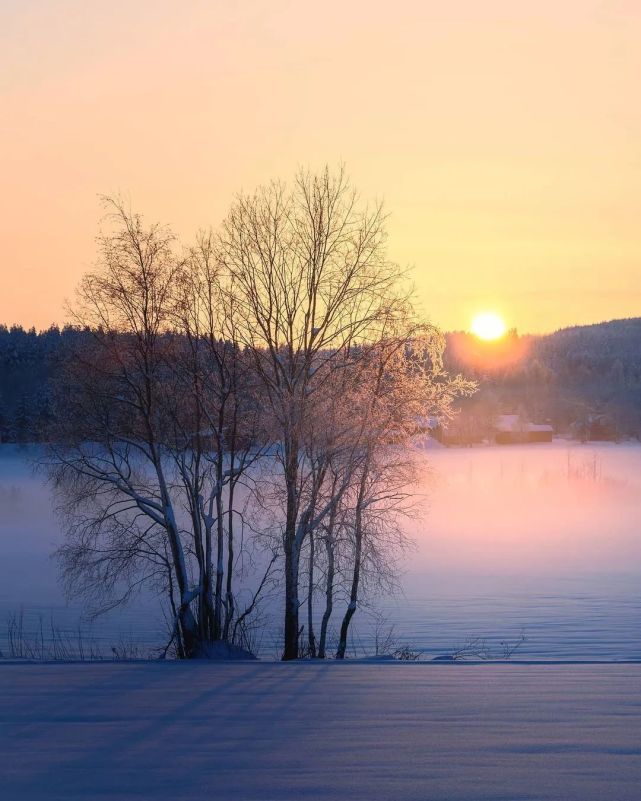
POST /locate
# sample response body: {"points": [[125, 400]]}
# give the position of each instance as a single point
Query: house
{"points": [[462, 430], [512, 429]]}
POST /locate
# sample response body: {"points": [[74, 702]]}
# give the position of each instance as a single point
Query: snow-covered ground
{"points": [[542, 539], [274, 732]]}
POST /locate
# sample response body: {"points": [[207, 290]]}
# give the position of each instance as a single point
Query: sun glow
{"points": [[488, 325]]}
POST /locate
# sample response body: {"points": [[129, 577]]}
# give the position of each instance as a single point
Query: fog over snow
{"points": [[542, 540]]}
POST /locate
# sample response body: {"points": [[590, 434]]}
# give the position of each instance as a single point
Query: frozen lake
{"points": [[541, 540]]}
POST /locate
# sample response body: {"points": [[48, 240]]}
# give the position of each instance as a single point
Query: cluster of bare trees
{"points": [[261, 389]]}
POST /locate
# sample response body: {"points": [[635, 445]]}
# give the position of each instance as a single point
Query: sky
{"points": [[503, 137]]}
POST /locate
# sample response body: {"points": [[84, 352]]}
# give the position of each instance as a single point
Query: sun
{"points": [[488, 325]]}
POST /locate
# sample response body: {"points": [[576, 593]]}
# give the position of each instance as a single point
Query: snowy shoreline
{"points": [[375, 661]]}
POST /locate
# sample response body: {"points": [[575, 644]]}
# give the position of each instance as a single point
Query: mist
{"points": [[539, 540], [531, 510]]}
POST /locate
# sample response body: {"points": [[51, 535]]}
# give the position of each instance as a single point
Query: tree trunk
{"points": [[207, 583], [349, 614], [220, 530], [311, 641], [230, 606], [356, 575], [292, 554], [188, 625], [329, 597], [200, 552], [220, 570], [290, 650], [189, 631]]}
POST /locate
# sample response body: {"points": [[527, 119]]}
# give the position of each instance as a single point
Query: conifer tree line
{"points": [[565, 378]]}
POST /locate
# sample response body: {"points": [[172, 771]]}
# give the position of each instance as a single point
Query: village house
{"points": [[513, 429]]}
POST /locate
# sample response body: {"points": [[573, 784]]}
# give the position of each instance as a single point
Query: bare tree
{"points": [[287, 335], [308, 268], [223, 441], [402, 382], [157, 434]]}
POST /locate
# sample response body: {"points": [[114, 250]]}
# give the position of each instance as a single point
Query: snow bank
{"points": [[364, 732]]}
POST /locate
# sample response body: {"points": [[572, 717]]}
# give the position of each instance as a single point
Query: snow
{"points": [[543, 540], [364, 732]]}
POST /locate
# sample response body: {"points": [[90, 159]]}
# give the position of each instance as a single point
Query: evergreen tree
{"points": [[23, 421]]}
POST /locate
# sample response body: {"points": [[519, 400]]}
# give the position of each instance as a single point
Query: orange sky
{"points": [[503, 135]]}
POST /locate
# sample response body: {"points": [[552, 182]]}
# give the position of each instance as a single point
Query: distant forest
{"points": [[579, 380], [584, 381]]}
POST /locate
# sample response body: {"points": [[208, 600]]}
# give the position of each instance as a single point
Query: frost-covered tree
{"points": [[400, 381], [287, 337], [158, 427], [315, 292]]}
